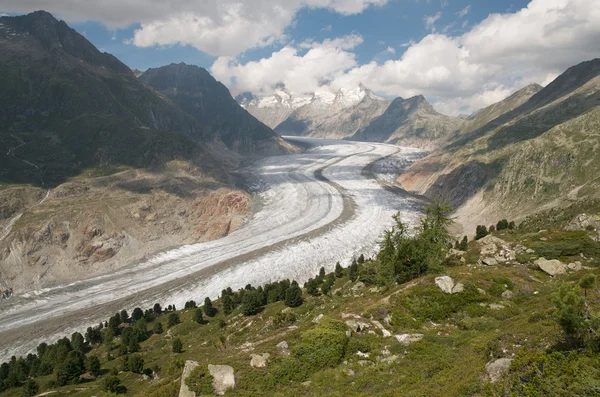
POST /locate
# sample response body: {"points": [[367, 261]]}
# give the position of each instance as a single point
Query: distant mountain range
{"points": [[321, 114], [353, 113]]}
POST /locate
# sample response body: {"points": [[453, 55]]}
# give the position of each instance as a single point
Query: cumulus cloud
{"points": [[298, 71], [217, 27], [459, 74]]}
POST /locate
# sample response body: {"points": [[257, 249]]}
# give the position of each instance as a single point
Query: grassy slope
{"points": [[461, 334]]}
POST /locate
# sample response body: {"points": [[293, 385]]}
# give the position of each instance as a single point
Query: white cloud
{"points": [[430, 21], [390, 50], [460, 74], [327, 28], [217, 27], [464, 11], [308, 72]]}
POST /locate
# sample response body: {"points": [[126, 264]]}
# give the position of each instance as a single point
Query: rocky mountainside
{"points": [[484, 116], [542, 154], [99, 168], [319, 115], [411, 122], [196, 92]]}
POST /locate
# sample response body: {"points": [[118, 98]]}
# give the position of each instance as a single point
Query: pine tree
{"points": [[197, 316], [339, 270], [251, 303], [209, 310], [124, 316], [312, 287], [157, 328], [353, 271], [157, 309], [177, 346], [137, 314], [228, 304], [92, 365], [172, 319], [464, 244], [361, 259], [293, 296], [480, 232]]}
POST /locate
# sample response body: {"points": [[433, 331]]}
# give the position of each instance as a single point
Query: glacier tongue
{"points": [[305, 222]]}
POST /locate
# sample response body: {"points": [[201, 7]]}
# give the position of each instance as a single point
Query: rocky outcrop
{"points": [[259, 360], [223, 378], [184, 390], [448, 286], [407, 339], [497, 368], [552, 267]]}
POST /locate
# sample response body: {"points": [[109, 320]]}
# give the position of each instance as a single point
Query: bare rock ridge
{"points": [[410, 122]]}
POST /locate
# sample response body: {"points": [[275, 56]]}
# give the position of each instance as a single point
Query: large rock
{"points": [[445, 283], [184, 391], [494, 249], [357, 325], [496, 368], [223, 378], [284, 348], [407, 339], [553, 267], [259, 360]]}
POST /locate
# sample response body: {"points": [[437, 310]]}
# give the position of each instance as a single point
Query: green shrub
{"points": [[430, 303], [200, 381], [566, 244], [549, 374], [321, 347], [288, 369], [284, 319]]}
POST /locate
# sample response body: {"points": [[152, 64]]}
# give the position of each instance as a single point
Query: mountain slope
{"points": [[59, 95], [410, 122], [539, 155], [98, 169], [196, 92]]}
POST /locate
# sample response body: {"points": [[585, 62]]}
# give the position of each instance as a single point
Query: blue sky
{"points": [[460, 61]]}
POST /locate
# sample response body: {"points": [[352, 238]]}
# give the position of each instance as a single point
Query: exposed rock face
{"points": [[224, 378], [86, 227], [185, 391], [584, 221], [496, 368], [552, 267], [407, 339], [445, 283], [410, 122]]}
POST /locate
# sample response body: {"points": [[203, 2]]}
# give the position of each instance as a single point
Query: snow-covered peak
{"points": [[283, 99]]}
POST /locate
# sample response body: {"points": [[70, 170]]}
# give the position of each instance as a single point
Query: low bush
{"points": [[200, 381], [321, 347]]}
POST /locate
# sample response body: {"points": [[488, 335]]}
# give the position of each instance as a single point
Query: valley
{"points": [[326, 205]]}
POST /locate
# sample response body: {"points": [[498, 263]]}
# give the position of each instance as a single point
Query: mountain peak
{"points": [[55, 35]]}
